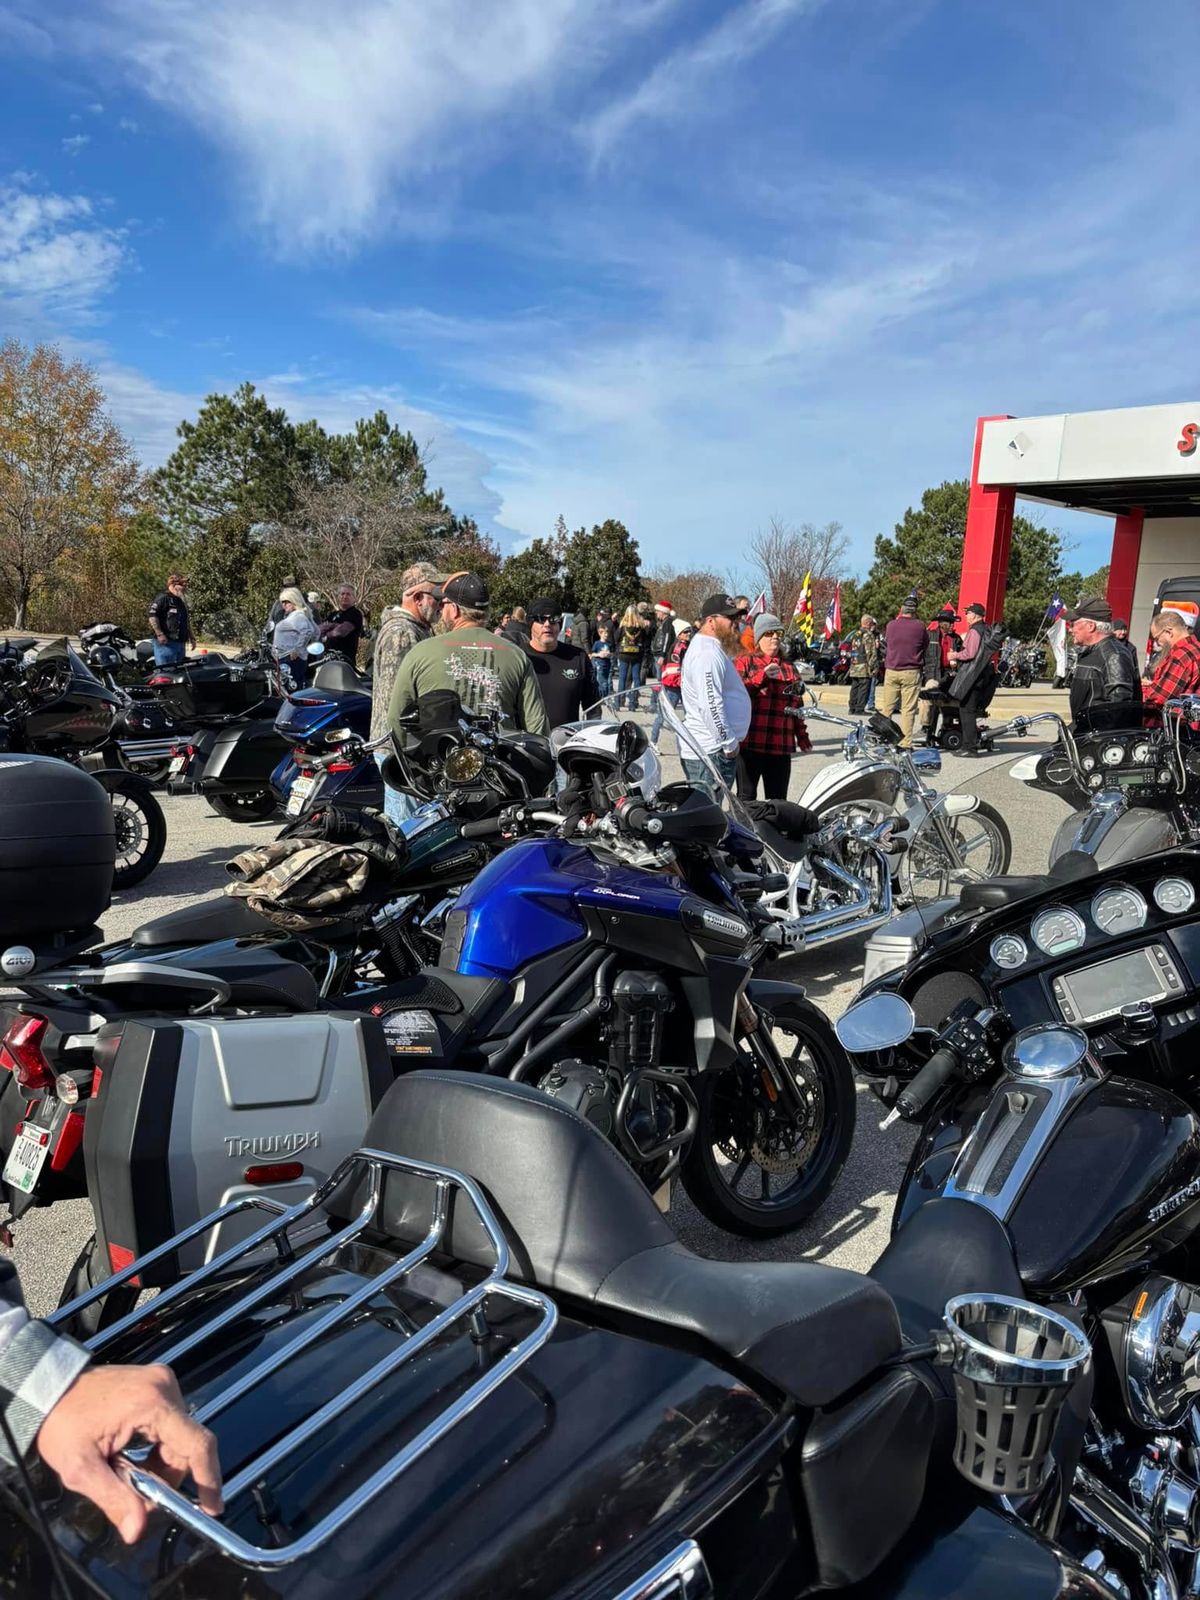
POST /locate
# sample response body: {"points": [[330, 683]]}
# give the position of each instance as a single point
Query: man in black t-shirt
{"points": [[344, 628], [563, 671], [170, 623]]}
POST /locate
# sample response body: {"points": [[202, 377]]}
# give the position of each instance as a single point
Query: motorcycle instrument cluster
{"points": [[1116, 910]]}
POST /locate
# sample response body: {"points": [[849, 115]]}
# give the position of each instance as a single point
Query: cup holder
{"points": [[1013, 1366]]}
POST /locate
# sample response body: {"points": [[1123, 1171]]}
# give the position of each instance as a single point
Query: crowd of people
{"points": [[727, 673]]}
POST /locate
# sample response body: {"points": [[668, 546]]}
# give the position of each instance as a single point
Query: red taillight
{"points": [[70, 1141], [158, 679], [281, 1172], [341, 766], [21, 1053], [188, 750]]}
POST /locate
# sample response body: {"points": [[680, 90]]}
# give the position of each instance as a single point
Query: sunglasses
{"points": [[548, 620], [424, 594]]}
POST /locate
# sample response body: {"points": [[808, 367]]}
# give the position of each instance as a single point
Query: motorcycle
{"points": [[1043, 1046], [163, 705], [1133, 790], [245, 768], [51, 704], [945, 837], [643, 1423]]}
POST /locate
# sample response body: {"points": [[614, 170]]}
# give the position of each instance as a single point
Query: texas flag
{"points": [[1055, 609], [833, 614]]}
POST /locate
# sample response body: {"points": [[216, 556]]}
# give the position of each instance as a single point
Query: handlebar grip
{"points": [[914, 1099], [486, 828], [632, 818]]}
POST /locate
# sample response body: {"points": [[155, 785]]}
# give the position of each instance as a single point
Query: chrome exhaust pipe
{"points": [[857, 915]]}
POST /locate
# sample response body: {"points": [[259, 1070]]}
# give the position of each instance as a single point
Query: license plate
{"points": [[177, 765], [26, 1159], [300, 792]]}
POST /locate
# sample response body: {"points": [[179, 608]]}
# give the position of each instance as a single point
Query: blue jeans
{"points": [[697, 773], [630, 679], [675, 696], [871, 693], [603, 671], [398, 804], [169, 654]]}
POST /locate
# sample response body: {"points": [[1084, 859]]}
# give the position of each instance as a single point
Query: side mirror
{"points": [[876, 1023]]}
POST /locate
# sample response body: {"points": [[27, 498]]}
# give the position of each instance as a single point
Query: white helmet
{"points": [[618, 751]]}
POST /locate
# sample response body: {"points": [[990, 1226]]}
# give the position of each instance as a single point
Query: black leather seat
{"points": [[337, 676], [225, 917], [992, 894], [946, 1248], [257, 978], [579, 1222]]}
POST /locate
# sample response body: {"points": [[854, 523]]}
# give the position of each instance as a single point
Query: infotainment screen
{"points": [[1148, 974]]}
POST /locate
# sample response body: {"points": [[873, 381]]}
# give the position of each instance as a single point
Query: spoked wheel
{"points": [[766, 1155], [980, 846], [141, 830], [245, 807]]}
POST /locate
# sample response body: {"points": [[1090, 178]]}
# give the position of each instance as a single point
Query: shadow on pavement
{"points": [[193, 878]]}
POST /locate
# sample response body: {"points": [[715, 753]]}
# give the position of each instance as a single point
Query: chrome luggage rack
{"points": [[372, 1164]]}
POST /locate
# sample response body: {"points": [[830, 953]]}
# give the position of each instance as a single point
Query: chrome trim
{"points": [[1101, 1509], [371, 1164], [682, 1575], [1049, 1102]]}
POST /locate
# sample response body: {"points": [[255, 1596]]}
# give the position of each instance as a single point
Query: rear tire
{"points": [[256, 807], [141, 829], [85, 1275], [739, 1130]]}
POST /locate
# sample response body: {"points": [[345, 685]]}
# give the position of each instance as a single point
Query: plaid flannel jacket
{"points": [[37, 1366], [772, 733], [1177, 673]]}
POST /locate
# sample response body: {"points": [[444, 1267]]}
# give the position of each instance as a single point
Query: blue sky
{"points": [[692, 263]]}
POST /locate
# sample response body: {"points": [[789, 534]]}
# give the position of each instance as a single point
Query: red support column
{"points": [[1123, 562], [988, 539]]}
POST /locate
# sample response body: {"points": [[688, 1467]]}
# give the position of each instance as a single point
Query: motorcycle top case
{"points": [[56, 848], [192, 1113]]}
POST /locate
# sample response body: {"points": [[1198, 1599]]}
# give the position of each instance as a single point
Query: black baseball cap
{"points": [[721, 605], [1093, 610], [979, 609], [543, 606], [466, 589], [947, 615]]}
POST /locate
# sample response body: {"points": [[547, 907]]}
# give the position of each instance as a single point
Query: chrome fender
{"points": [[956, 805]]}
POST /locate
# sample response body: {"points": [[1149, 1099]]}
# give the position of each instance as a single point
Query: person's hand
{"points": [[102, 1411], [730, 749], [771, 670]]}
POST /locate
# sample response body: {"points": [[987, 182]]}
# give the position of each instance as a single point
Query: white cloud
{"points": [[76, 142], [127, 125], [96, 109], [23, 35], [676, 84], [56, 259], [326, 112]]}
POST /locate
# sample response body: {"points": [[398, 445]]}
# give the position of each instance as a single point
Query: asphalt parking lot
{"points": [[852, 1228]]}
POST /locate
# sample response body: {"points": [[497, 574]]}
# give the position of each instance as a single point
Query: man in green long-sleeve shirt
{"points": [[486, 672]]}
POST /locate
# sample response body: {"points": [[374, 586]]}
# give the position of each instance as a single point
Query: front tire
{"points": [[244, 807], [983, 849], [755, 1168], [141, 829]]}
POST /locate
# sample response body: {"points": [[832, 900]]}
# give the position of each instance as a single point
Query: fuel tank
{"points": [[535, 898], [841, 783], [1092, 1177], [439, 855]]}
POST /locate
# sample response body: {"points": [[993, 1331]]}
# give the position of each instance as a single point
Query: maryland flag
{"points": [[803, 619]]}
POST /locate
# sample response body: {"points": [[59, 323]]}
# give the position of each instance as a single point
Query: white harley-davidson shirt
{"points": [[715, 700]]}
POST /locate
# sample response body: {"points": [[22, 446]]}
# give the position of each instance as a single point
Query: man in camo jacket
{"points": [[404, 626], [81, 1417]]}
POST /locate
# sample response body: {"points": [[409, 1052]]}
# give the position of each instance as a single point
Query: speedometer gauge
{"points": [[1057, 931], [1119, 910], [1142, 753], [1112, 755], [1174, 896]]}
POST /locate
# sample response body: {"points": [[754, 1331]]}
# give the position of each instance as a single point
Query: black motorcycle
{"points": [[495, 1371], [1044, 1044], [51, 704]]}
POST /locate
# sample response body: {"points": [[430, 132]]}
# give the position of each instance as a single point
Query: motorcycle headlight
{"points": [[464, 764], [1158, 1327]]}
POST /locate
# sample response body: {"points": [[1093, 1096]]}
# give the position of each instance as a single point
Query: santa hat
{"points": [[663, 605]]}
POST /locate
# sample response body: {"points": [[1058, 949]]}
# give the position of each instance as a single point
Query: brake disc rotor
{"points": [[776, 1143]]}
